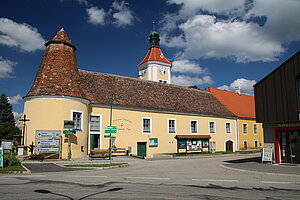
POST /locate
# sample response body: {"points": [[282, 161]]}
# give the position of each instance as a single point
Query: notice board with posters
{"points": [[267, 155]]}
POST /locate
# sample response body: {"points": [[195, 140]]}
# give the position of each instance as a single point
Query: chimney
{"points": [[238, 90]]}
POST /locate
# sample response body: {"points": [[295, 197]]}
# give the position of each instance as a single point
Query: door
{"points": [[94, 141], [285, 147], [229, 146], [141, 149]]}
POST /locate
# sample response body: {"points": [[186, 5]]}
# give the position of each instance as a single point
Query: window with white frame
{"points": [[245, 128], [194, 128], [245, 144], [95, 123], [77, 117], [212, 127], [172, 126], [228, 127], [255, 128], [146, 125]]}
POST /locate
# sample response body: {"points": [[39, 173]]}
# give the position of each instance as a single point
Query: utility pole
{"points": [[24, 120]]}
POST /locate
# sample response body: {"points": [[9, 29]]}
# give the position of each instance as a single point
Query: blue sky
{"points": [[212, 43]]}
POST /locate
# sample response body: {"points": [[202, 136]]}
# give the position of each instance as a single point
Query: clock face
{"points": [[162, 70]]}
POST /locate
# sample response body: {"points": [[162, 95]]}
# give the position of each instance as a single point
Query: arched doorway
{"points": [[229, 146]]}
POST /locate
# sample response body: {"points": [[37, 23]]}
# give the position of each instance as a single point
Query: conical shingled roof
{"points": [[155, 54], [58, 72]]}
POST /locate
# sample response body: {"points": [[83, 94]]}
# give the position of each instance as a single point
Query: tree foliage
{"points": [[6, 114], [7, 122]]}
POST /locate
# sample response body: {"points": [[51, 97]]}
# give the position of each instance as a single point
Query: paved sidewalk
{"points": [[253, 164]]}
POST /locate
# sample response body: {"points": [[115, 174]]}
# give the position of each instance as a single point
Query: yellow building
{"points": [[151, 115], [250, 133]]}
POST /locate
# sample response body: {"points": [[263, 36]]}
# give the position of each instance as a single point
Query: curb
{"points": [[256, 172]]}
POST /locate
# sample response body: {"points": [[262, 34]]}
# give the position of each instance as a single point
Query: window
{"points": [[95, 123], [212, 128], [172, 125], [255, 128], [162, 81], [194, 127], [255, 144], [228, 127], [245, 144], [77, 117], [245, 128], [146, 125]]}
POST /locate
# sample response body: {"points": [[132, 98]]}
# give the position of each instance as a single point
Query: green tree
{"points": [[6, 114], [7, 122]]}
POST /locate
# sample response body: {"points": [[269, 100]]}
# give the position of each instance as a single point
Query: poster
{"points": [[153, 142], [267, 154]]}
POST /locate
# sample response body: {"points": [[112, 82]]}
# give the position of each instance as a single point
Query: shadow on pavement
{"points": [[245, 160]]}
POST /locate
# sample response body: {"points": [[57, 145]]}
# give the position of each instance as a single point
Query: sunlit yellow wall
{"points": [[250, 137], [163, 76], [130, 129], [49, 114]]}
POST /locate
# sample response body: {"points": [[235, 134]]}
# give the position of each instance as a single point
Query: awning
{"points": [[192, 136]]}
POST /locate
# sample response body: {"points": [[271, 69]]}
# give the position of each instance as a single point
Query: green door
{"points": [[141, 149]]}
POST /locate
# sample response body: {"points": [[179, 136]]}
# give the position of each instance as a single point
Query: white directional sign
{"points": [[47, 134], [47, 143], [48, 150]]}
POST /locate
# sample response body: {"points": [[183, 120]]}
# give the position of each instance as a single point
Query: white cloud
{"points": [[96, 16], [16, 116], [15, 99], [22, 36], [183, 80], [245, 85], [187, 67], [211, 38], [242, 30], [6, 68], [122, 15]]}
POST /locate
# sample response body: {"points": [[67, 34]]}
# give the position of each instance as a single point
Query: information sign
{"points": [[48, 150], [267, 155], [47, 143], [110, 131], [110, 127], [47, 134], [6, 145], [69, 124], [106, 136], [153, 142], [1, 157], [69, 132]]}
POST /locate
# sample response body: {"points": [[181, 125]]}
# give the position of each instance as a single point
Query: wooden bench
{"points": [[119, 152], [99, 153]]}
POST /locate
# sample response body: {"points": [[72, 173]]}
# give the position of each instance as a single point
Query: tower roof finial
{"points": [[153, 25]]}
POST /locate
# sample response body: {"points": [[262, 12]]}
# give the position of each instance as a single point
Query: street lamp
{"points": [[110, 124]]}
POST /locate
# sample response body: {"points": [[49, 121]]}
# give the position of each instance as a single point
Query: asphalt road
{"points": [[202, 178]]}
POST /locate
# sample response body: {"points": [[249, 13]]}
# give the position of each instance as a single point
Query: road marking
{"points": [[214, 180], [150, 178], [279, 182], [36, 175], [85, 176]]}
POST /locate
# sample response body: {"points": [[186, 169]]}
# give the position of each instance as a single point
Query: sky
{"points": [[211, 43]]}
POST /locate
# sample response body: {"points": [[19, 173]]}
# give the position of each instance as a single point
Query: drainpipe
{"points": [[237, 134]]}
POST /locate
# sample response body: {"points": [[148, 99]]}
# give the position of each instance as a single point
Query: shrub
{"points": [[10, 160], [37, 157]]}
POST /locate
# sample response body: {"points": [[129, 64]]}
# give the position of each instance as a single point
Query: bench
{"points": [[99, 153], [119, 152]]}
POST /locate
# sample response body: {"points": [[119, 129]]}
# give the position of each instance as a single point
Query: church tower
{"points": [[155, 66]]}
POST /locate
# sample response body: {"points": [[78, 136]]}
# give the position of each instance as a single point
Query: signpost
{"points": [[1, 157], [47, 141], [267, 155]]}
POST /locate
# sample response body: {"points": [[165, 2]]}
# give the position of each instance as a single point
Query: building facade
{"points": [[250, 134], [277, 107], [150, 116]]}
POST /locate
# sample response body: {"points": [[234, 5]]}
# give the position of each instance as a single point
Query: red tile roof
{"points": [[58, 72], [192, 136], [131, 92], [239, 104], [155, 54]]}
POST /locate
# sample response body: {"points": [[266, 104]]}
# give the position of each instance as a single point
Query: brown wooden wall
{"points": [[277, 96]]}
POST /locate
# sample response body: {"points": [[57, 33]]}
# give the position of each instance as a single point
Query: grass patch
{"points": [[97, 165], [12, 168]]}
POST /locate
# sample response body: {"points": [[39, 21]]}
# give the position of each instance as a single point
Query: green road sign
{"points": [[110, 127], [69, 132], [106, 136], [1, 157], [110, 131]]}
